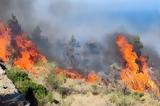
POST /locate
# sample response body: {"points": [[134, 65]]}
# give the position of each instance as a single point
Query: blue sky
{"points": [[91, 18], [96, 17], [140, 12]]}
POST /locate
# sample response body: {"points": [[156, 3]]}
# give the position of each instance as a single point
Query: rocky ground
{"points": [[6, 85], [9, 95]]}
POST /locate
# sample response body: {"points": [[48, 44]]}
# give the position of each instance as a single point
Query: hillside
{"points": [[32, 78]]}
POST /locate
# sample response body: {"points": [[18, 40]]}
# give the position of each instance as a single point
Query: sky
{"points": [[137, 13], [87, 19], [135, 16], [94, 19]]}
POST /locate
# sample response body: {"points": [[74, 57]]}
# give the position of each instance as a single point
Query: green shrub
{"points": [[22, 86], [15, 74], [23, 83], [137, 95], [47, 99], [39, 90]]}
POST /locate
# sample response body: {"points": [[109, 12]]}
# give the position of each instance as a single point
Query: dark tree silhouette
{"points": [[14, 25], [71, 52]]}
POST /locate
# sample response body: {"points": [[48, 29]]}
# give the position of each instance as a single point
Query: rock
{"points": [[9, 95], [15, 103], [2, 71], [6, 86], [13, 100]]}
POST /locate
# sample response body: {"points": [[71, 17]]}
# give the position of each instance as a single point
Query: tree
{"points": [[41, 41], [71, 52], [138, 46], [14, 25]]}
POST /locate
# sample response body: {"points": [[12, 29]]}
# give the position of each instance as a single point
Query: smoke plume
{"points": [[51, 23]]}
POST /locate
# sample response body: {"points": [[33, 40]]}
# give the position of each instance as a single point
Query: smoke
{"points": [[94, 29], [49, 14]]}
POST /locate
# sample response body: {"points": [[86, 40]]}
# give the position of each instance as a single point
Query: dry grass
{"points": [[88, 94]]}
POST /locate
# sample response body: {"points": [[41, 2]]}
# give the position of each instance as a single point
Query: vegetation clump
{"points": [[23, 83], [54, 81]]}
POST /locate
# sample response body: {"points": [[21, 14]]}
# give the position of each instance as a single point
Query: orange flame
{"points": [[69, 73], [5, 41], [92, 77], [29, 54], [26, 51], [135, 75]]}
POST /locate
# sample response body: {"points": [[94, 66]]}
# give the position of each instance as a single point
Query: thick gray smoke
{"points": [[48, 14], [49, 24]]}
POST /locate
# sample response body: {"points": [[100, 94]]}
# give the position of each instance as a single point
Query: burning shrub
{"points": [[28, 53], [135, 72], [16, 48], [93, 77], [5, 41]]}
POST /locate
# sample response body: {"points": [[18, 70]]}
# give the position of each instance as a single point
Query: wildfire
{"points": [[29, 54], [135, 73], [69, 73], [5, 41], [24, 52], [92, 77]]}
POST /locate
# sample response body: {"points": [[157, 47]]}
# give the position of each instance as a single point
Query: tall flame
{"points": [[135, 73], [4, 42], [24, 52]]}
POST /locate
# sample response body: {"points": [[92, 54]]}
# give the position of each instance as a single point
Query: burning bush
{"points": [[28, 53], [135, 73], [18, 48], [5, 41]]}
